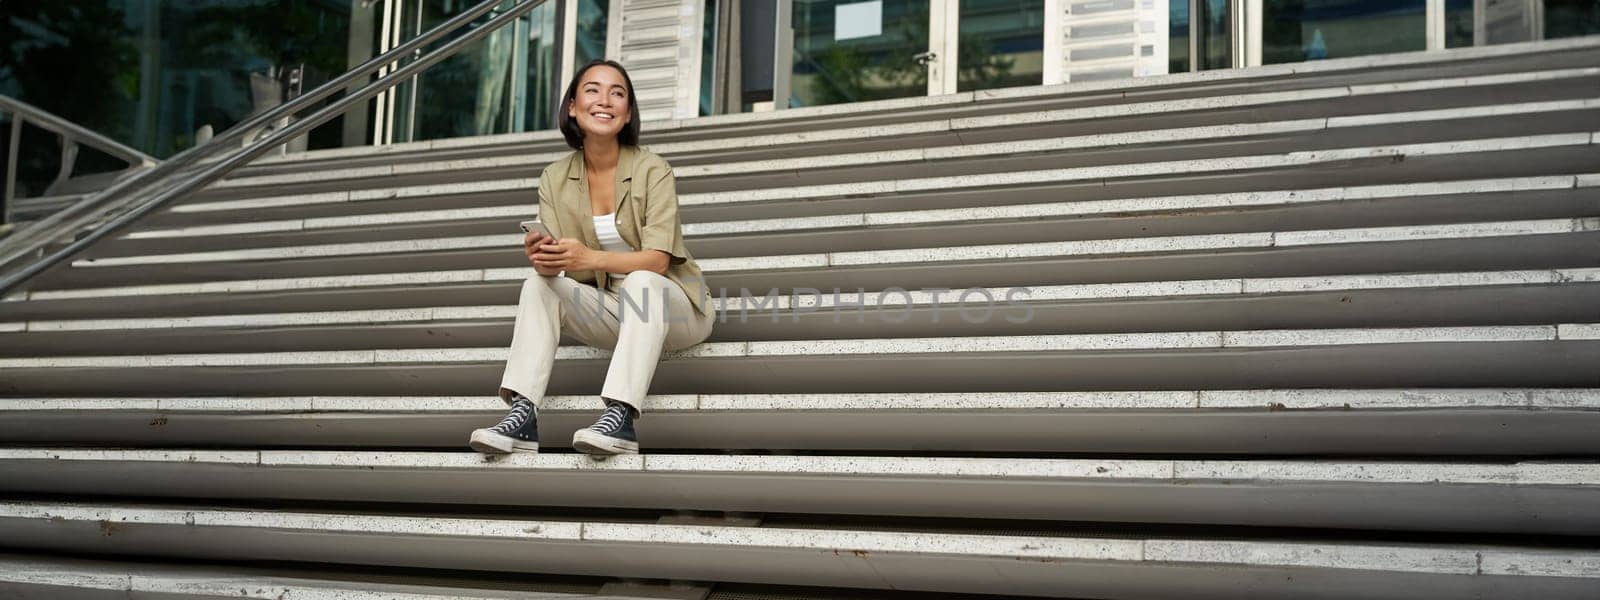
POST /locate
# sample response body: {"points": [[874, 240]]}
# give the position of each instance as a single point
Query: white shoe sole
{"points": [[589, 442], [492, 442]]}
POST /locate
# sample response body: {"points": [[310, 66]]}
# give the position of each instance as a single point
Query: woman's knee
{"points": [[638, 283], [644, 278], [539, 288], [645, 292]]}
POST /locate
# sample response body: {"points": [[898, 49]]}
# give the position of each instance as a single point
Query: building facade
{"points": [[152, 73]]}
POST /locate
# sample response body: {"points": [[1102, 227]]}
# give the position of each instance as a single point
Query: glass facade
{"points": [[1302, 30], [159, 70], [1213, 28], [1001, 44], [500, 84], [708, 56], [590, 40], [869, 53], [1177, 36], [1457, 23], [1571, 18], [150, 73]]}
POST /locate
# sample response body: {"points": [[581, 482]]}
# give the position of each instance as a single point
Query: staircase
{"points": [[1323, 330]]}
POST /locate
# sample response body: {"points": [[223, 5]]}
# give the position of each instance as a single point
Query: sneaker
{"points": [[517, 432], [611, 434]]}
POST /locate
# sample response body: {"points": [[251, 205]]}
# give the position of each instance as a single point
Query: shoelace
{"points": [[611, 420], [519, 415]]}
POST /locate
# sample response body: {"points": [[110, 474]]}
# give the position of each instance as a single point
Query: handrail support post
{"points": [[11, 168]]}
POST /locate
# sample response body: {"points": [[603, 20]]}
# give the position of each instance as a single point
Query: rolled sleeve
{"points": [[661, 229], [547, 209]]}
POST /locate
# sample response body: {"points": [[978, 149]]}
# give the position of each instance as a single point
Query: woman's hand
{"points": [[530, 248], [567, 254]]}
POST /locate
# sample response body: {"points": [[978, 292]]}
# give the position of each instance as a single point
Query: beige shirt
{"points": [[646, 215]]}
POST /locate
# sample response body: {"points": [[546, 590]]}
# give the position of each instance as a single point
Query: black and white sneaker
{"points": [[517, 432], [611, 434]]}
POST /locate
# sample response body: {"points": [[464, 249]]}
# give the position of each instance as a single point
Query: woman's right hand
{"points": [[530, 247]]}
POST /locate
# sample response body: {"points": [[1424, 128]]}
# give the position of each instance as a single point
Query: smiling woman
{"points": [[614, 276]]}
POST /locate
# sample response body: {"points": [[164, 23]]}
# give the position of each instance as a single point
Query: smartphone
{"points": [[536, 227]]}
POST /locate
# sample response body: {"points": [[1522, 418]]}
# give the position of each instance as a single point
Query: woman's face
{"points": [[601, 104]]}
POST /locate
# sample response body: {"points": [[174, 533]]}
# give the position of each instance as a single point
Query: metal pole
{"points": [[1195, 28], [1434, 19], [783, 55], [44, 120], [11, 167], [221, 168], [69, 159]]}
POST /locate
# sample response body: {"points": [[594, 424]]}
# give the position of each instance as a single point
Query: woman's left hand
{"points": [[569, 254]]}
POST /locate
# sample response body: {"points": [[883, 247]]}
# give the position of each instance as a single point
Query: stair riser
{"points": [[980, 227], [795, 566], [1122, 92], [1349, 505], [1575, 88], [1216, 261], [1385, 170], [1245, 431], [1498, 364], [1565, 303]]}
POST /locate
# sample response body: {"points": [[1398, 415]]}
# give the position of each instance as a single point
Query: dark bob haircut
{"points": [[569, 126]]}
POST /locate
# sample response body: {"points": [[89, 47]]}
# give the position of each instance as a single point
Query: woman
{"points": [[616, 274]]}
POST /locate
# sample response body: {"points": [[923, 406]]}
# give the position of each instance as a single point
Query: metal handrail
{"points": [[42, 119], [49, 229], [176, 183], [71, 135]]}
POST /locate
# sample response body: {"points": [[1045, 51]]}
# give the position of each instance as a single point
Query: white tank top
{"points": [[606, 229]]}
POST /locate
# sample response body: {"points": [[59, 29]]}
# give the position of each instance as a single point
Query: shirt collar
{"points": [[625, 158]]}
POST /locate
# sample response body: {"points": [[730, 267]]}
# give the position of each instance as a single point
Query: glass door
{"points": [[500, 84], [1000, 43], [849, 51], [853, 51]]}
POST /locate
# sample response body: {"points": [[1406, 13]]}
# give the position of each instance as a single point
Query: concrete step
{"points": [[472, 287], [1548, 498], [1342, 171], [1326, 118], [1401, 68], [1428, 299], [1544, 355], [1358, 206], [1041, 564], [39, 576], [1241, 375], [1561, 130], [962, 264], [1260, 422]]}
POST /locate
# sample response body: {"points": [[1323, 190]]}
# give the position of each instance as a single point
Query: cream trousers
{"points": [[647, 314]]}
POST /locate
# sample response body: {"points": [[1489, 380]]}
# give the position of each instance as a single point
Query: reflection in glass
{"points": [[1457, 23], [869, 66], [708, 56], [1178, 36], [538, 88], [1001, 44], [475, 91], [460, 96], [149, 73], [1571, 18], [1302, 30], [590, 44], [1216, 50]]}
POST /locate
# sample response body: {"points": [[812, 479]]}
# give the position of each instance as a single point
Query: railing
{"points": [[71, 135], [129, 200]]}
